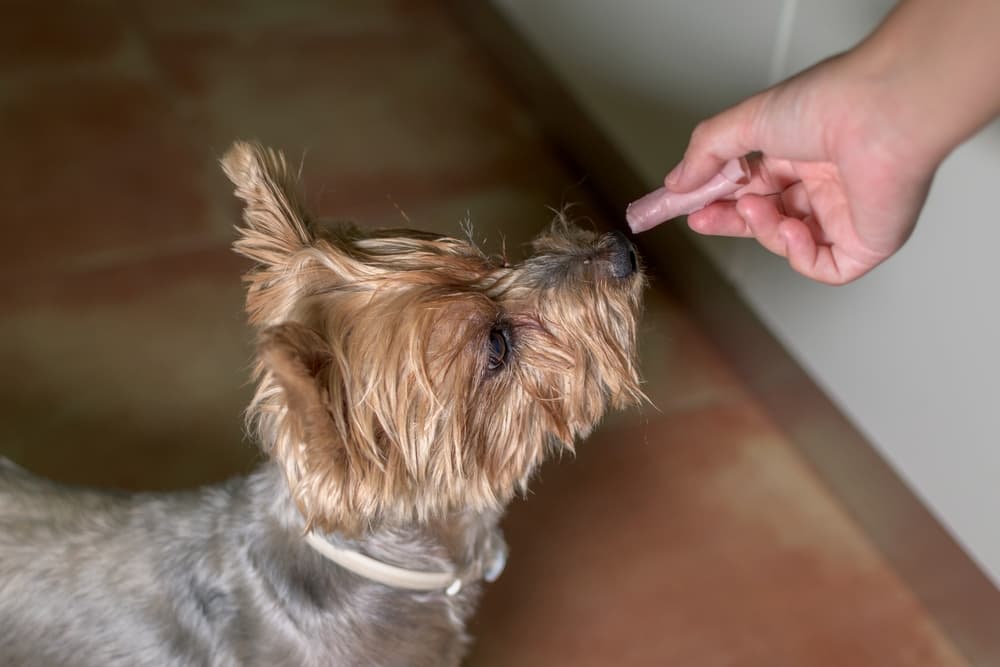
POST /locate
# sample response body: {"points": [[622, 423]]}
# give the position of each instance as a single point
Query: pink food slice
{"points": [[661, 205]]}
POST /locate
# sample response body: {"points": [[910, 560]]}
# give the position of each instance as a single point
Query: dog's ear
{"points": [[294, 361], [276, 225], [301, 419], [298, 359], [276, 228]]}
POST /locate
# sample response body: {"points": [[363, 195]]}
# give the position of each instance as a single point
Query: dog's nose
{"points": [[621, 255]]}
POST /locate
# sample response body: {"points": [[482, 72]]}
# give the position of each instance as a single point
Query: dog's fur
{"points": [[408, 386]]}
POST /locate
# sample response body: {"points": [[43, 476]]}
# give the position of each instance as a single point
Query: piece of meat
{"points": [[661, 204]]}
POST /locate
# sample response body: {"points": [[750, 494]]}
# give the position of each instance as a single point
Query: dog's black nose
{"points": [[621, 255]]}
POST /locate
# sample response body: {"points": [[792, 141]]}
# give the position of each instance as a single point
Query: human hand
{"points": [[840, 180]]}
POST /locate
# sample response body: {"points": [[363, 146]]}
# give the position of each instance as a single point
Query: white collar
{"points": [[383, 573]]}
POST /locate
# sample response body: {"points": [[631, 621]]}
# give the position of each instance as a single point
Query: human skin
{"points": [[848, 148]]}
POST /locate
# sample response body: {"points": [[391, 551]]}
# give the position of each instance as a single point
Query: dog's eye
{"points": [[498, 349]]}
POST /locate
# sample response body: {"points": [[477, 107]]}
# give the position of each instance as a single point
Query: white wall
{"points": [[911, 352]]}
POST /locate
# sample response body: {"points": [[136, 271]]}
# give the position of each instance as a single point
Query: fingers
{"points": [[796, 239], [799, 240], [714, 142], [719, 219], [763, 218], [731, 218], [769, 176], [791, 238], [795, 201], [800, 247], [822, 263]]}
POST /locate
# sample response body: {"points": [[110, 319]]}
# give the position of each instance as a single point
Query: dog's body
{"points": [[218, 576], [408, 386]]}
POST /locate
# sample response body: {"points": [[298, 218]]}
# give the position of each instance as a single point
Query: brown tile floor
{"points": [[689, 534]]}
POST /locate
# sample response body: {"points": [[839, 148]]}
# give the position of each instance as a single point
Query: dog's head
{"points": [[406, 375]]}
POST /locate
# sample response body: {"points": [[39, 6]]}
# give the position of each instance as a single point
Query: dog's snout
{"points": [[621, 256]]}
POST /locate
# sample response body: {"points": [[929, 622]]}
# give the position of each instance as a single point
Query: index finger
{"points": [[714, 142]]}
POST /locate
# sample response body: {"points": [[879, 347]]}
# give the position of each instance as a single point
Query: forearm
{"points": [[942, 60]]}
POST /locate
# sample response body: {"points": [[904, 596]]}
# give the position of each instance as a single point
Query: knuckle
{"points": [[700, 134]]}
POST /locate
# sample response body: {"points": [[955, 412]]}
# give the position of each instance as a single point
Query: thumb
{"points": [[714, 142]]}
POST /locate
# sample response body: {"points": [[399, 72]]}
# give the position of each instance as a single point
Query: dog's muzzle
{"points": [[622, 256]]}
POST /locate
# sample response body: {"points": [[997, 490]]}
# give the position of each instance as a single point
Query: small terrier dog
{"points": [[408, 386]]}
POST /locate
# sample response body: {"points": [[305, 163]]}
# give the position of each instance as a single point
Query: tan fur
{"points": [[375, 393]]}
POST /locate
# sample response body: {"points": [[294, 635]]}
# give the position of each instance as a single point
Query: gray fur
{"points": [[218, 576]]}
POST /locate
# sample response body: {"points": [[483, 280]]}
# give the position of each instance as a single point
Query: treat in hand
{"points": [[662, 204]]}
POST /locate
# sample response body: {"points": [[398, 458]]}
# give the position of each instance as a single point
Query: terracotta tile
{"points": [[262, 16], [307, 83], [95, 164], [126, 280], [34, 34], [919, 548], [134, 377], [415, 120], [681, 369], [698, 539]]}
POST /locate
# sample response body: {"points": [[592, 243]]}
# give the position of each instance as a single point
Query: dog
{"points": [[408, 385]]}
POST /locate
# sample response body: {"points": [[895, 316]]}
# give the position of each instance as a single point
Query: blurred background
{"points": [[712, 529]]}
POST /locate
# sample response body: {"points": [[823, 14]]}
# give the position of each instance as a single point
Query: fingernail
{"points": [[675, 175]]}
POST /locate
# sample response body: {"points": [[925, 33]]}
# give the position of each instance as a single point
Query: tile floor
{"points": [[689, 534]]}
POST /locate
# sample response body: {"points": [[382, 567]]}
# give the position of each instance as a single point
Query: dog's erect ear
{"points": [[276, 225], [275, 230]]}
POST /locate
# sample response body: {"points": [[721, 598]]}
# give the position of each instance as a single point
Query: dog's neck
{"points": [[449, 581], [467, 545], [489, 559]]}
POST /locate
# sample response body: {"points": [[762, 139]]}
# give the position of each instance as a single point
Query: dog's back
{"points": [[77, 569], [209, 577]]}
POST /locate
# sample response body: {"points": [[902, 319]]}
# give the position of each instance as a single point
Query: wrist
{"points": [[934, 65]]}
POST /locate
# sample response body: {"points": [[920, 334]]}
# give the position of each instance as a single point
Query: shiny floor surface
{"points": [[689, 533]]}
